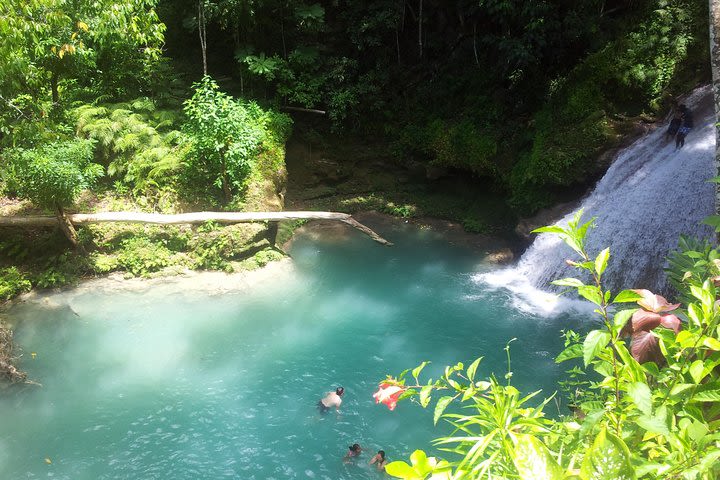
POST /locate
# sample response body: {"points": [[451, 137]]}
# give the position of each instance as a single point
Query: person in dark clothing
{"points": [[674, 126], [686, 125]]}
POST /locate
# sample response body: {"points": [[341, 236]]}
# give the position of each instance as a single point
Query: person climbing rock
{"points": [[685, 126], [674, 125]]}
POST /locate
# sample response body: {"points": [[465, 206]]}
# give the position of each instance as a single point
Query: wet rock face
{"points": [[546, 216], [503, 256]]}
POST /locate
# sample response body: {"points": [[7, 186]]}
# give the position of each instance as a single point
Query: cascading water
{"points": [[650, 195]]}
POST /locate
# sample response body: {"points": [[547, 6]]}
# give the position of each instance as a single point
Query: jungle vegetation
{"points": [[169, 106]]}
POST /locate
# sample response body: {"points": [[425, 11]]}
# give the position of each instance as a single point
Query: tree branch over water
{"points": [[190, 218]]}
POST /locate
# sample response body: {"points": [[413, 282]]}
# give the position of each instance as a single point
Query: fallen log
{"points": [[189, 218]]}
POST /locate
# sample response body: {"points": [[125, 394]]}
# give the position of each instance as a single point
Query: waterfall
{"points": [[650, 195]]}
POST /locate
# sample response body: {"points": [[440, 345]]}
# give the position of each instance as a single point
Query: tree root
{"points": [[8, 371]]}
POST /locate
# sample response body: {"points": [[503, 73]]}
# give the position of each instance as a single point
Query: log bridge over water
{"points": [[188, 218]]}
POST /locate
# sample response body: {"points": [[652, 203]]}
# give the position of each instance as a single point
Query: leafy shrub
{"points": [[264, 257], [141, 256], [403, 211], [53, 175], [225, 136], [12, 283], [463, 145], [59, 270], [214, 246]]}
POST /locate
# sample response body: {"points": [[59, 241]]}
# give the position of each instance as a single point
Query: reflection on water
{"points": [[164, 384]]}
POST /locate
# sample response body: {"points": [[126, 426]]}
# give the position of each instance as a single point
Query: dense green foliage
{"points": [[523, 93], [225, 137], [12, 282], [648, 407], [52, 176], [136, 142]]}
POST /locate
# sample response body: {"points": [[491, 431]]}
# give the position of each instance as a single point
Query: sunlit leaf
{"points": [[425, 395], [591, 293], [573, 351], [568, 282], [608, 458], [601, 261], [595, 341], [440, 407], [532, 459], [627, 296], [641, 396], [472, 369], [709, 392], [416, 371]]}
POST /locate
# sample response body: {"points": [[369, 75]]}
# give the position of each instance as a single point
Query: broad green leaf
{"points": [[627, 296], [680, 388], [621, 318], [635, 368], [653, 424], [697, 430], [401, 469], [712, 343], [695, 314], [601, 261], [425, 395], [416, 371], [568, 282], [482, 385], [472, 369], [685, 339], [440, 408], [641, 396], [697, 371], [533, 460], [709, 392], [607, 459], [573, 351], [594, 343], [590, 293], [421, 462]]}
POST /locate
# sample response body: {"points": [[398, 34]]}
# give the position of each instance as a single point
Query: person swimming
{"points": [[330, 400], [379, 460], [354, 450]]}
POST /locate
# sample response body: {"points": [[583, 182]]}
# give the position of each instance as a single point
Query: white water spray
{"points": [[650, 195]]}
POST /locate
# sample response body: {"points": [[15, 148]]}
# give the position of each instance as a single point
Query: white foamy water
{"points": [[650, 195]]}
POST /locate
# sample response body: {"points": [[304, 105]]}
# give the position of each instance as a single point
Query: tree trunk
{"points": [[420, 42], [66, 226], [190, 218], [203, 35], [225, 183]]}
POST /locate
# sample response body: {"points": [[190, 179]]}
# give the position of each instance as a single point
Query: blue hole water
{"points": [[178, 383]]}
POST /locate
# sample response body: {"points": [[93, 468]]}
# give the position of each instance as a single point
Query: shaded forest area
{"points": [[523, 94]]}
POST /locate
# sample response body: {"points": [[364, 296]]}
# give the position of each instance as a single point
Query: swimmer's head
{"points": [[382, 454], [340, 391], [354, 447]]}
